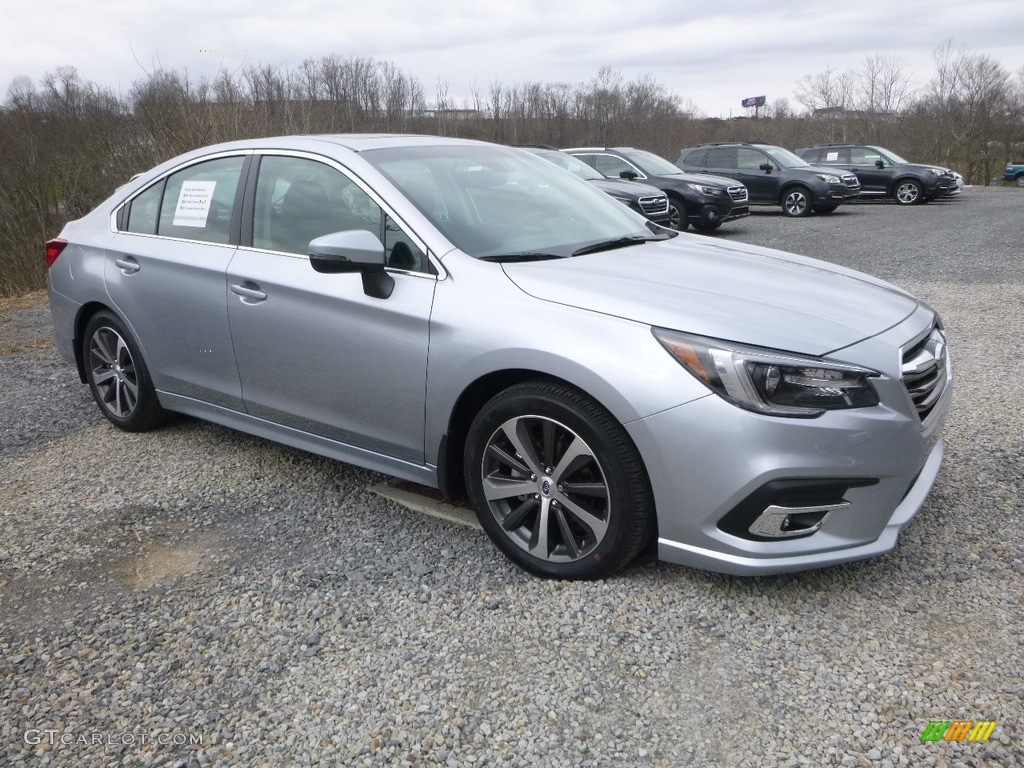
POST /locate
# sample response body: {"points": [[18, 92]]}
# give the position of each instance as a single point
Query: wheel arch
{"points": [[788, 187], [450, 478], [85, 313], [900, 179]]}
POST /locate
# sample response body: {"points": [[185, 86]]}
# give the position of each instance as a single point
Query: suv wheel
{"points": [[556, 482], [1020, 180], [796, 202], [908, 192]]}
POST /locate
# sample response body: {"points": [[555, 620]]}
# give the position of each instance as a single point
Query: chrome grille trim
{"points": [[738, 194], [654, 205], [923, 370]]}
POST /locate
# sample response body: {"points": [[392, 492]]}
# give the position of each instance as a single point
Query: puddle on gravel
{"points": [[161, 562]]}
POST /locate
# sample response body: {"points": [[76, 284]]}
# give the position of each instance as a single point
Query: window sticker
{"points": [[194, 203], [831, 157]]}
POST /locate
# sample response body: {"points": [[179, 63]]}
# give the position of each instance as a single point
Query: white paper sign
{"points": [[831, 157], [194, 203]]}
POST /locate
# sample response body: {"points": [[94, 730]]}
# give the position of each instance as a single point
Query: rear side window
{"points": [[198, 201], [144, 210], [721, 157], [694, 158]]}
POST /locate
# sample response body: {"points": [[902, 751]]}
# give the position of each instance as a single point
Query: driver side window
{"points": [[298, 200]]}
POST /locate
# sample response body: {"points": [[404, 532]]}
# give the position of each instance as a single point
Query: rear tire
{"points": [[118, 376], [677, 216], [1020, 180], [557, 483]]}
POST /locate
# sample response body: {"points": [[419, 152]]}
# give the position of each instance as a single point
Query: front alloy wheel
{"points": [[908, 192], [796, 202], [556, 482]]}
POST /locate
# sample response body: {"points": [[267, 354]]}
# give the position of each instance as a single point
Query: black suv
{"points": [[883, 173], [704, 201], [643, 198], [774, 176]]}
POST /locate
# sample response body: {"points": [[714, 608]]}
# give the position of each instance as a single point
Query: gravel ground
{"points": [[194, 596]]}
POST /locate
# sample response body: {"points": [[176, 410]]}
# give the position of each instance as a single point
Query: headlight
{"points": [[771, 382], [706, 190], [828, 178], [933, 171]]}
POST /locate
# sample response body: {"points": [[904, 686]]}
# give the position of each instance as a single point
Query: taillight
{"points": [[53, 250]]}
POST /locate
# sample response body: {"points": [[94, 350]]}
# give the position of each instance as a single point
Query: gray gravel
{"points": [[195, 584]]}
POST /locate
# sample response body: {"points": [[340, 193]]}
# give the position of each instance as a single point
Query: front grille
{"points": [[924, 371], [653, 206], [851, 181], [738, 194]]}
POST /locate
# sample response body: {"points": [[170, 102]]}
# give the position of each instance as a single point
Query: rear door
{"points": [[164, 272]]}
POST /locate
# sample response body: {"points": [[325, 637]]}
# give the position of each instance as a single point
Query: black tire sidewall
{"points": [[629, 497], [148, 412]]}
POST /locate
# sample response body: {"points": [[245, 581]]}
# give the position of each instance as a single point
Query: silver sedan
{"points": [[473, 318]]}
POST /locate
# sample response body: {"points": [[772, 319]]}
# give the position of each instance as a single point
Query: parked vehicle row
{"points": [[714, 183], [469, 317]]}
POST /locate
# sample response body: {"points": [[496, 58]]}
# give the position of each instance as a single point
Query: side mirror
{"points": [[629, 175], [879, 163], [766, 167], [353, 251]]}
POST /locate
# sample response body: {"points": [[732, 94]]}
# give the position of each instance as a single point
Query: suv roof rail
{"points": [[535, 146], [835, 144], [727, 143]]}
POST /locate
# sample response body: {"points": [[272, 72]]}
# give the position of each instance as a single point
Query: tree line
{"points": [[67, 143]]}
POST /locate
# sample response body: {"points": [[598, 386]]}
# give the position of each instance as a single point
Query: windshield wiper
{"points": [[615, 242], [507, 258]]}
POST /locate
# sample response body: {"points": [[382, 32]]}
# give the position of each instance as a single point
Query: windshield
{"points": [[785, 158], [651, 164], [572, 164], [492, 201], [892, 157]]}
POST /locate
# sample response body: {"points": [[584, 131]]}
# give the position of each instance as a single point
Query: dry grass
{"points": [[13, 340]]}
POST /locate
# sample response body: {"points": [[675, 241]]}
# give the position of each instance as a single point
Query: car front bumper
{"points": [[708, 458]]}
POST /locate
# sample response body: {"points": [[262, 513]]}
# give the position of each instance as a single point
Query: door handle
{"points": [[128, 265], [249, 295]]}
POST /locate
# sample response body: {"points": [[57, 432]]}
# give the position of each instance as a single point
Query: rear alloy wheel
{"points": [[908, 192], [118, 376], [796, 202], [556, 482]]}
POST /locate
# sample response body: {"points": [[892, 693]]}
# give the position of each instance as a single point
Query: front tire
{"points": [[908, 192], [118, 376], [1020, 181], [797, 202], [557, 483], [677, 216]]}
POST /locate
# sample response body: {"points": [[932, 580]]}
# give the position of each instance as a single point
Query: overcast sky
{"points": [[713, 53]]}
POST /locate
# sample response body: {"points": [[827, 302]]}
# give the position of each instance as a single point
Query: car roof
{"points": [[599, 149]]}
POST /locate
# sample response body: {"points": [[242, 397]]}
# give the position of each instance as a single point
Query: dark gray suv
{"points": [[774, 176], [883, 173]]}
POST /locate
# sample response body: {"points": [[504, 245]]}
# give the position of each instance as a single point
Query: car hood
{"points": [[702, 178], [630, 189], [724, 290], [921, 167]]}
